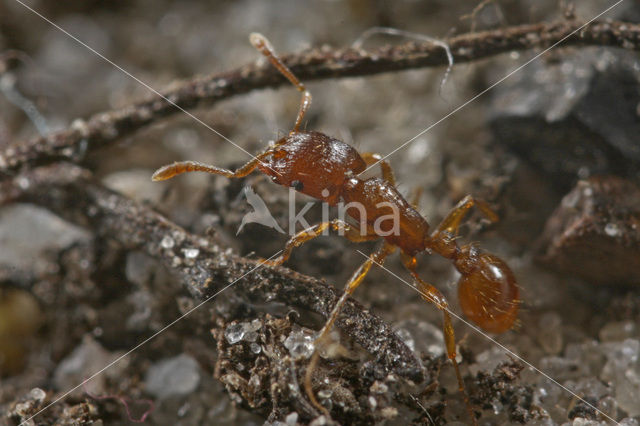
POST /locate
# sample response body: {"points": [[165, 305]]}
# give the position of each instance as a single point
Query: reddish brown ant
{"points": [[327, 169]]}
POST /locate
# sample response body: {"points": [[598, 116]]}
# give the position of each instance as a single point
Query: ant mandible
{"points": [[327, 169]]}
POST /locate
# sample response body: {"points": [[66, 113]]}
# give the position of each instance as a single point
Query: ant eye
{"points": [[297, 185]]}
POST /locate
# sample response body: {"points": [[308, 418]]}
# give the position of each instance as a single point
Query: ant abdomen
{"points": [[488, 293]]}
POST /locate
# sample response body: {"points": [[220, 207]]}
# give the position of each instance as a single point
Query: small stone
{"points": [[85, 360], [580, 421], [300, 344], [27, 233], [431, 338], [255, 348], [319, 421], [23, 183], [612, 230], [254, 381], [378, 387], [191, 253], [373, 403], [325, 394], [550, 332], [37, 394], [251, 336], [623, 371], [167, 242], [488, 360], [255, 325], [609, 406], [407, 338], [234, 333], [291, 419], [175, 376], [618, 331], [389, 413], [22, 409]]}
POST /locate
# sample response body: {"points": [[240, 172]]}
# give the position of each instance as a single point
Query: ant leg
{"points": [[356, 279], [433, 295], [171, 170], [415, 197], [387, 172], [350, 232], [451, 223], [261, 43]]}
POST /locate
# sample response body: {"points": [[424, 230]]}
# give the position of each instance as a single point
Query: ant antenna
{"points": [[261, 43], [396, 32]]}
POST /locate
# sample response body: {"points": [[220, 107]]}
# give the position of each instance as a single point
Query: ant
{"points": [[327, 169]]}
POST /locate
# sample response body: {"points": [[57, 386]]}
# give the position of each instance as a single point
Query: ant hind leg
{"points": [[433, 295]]}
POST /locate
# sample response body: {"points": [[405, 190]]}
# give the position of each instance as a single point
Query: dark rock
{"points": [[574, 116], [595, 232]]}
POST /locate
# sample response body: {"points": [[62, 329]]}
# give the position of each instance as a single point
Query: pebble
{"points": [[234, 333], [30, 232], [177, 376], [618, 331], [167, 242], [255, 348], [300, 344], [191, 253], [81, 363], [622, 370], [550, 332]]}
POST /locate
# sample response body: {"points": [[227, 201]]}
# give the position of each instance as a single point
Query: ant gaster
{"points": [[327, 169]]}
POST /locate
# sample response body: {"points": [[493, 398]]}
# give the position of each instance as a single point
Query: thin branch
{"points": [[203, 265], [103, 129]]}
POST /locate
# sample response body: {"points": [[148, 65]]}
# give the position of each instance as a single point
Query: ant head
{"points": [[314, 164]]}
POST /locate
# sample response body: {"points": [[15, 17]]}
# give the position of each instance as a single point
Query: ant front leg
{"points": [[451, 223], [177, 168], [356, 279], [433, 295], [349, 232]]}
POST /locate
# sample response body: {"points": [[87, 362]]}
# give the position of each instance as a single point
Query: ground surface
{"points": [[73, 299]]}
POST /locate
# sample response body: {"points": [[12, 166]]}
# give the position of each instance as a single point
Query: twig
{"points": [[203, 266], [105, 128]]}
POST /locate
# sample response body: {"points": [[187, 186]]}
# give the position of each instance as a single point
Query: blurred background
{"points": [[554, 149]]}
